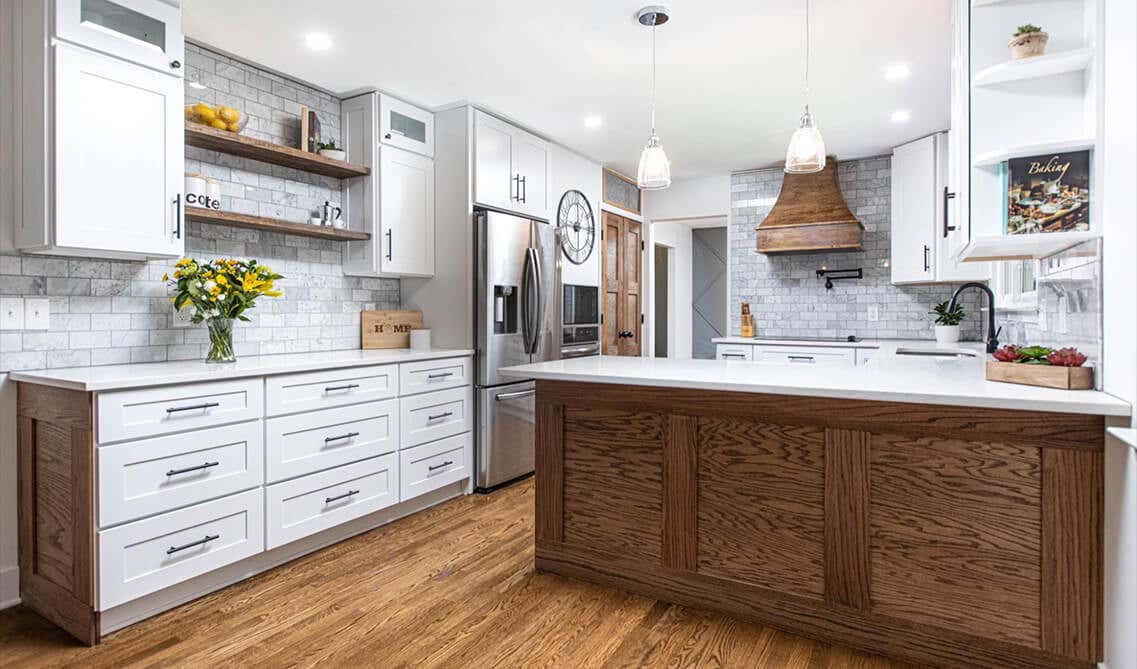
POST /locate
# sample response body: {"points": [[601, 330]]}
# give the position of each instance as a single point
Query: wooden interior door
{"points": [[623, 271]]}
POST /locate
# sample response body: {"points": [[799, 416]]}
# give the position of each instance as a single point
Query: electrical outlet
{"points": [[11, 313], [874, 312], [37, 314], [180, 318]]}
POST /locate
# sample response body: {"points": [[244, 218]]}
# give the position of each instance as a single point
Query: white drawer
{"points": [[289, 393], [309, 442], [132, 414], [424, 418], [734, 352], [806, 355], [141, 478], [428, 375], [431, 466], [312, 503], [147, 555]]}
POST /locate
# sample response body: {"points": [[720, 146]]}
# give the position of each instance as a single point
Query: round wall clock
{"points": [[577, 228]]}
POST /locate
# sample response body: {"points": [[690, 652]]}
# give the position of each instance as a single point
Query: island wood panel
{"points": [[951, 572], [1072, 571], [680, 492], [847, 557], [56, 507], [549, 472], [956, 535], [613, 481], [761, 511]]}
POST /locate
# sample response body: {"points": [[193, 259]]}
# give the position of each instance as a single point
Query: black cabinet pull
{"points": [[193, 407], [178, 215], [186, 470], [336, 498], [948, 195], [204, 540], [346, 386], [522, 189], [734, 355], [349, 435], [440, 375], [801, 358], [926, 265], [390, 242], [444, 414], [444, 464]]}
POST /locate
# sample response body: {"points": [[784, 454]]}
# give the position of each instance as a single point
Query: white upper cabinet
{"points": [[146, 32], [394, 204], [405, 126], [922, 218], [511, 168]]}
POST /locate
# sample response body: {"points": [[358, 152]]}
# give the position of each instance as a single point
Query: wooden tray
{"points": [[388, 329], [1047, 376]]}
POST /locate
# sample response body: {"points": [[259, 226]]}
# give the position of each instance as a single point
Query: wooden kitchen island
{"points": [[937, 534]]}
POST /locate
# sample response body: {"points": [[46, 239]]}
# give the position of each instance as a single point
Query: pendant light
{"points": [[655, 169], [806, 153]]}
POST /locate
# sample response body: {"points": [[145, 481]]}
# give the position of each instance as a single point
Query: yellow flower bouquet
{"points": [[218, 292]]}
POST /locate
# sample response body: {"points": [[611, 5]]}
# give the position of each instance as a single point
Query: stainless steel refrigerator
{"points": [[514, 277]]}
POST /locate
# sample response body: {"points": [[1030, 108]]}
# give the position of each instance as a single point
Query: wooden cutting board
{"points": [[389, 329]]}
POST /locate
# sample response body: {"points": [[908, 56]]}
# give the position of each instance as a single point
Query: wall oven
{"points": [[580, 321]]}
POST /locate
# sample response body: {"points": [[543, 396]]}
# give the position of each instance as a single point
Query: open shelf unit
{"points": [[246, 147], [235, 220], [998, 156], [1063, 62]]}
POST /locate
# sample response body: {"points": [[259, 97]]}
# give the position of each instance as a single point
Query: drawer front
{"points": [[431, 466], [133, 414], [147, 555], [432, 416], [430, 375], [806, 355], [734, 352], [141, 478], [310, 442], [289, 393], [307, 505]]}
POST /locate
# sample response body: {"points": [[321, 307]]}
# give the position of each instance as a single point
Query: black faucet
{"points": [[992, 333]]}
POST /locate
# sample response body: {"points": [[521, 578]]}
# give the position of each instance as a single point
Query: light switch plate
{"points": [[37, 314], [11, 313], [874, 312]]}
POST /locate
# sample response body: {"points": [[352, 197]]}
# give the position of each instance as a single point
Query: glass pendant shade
{"points": [[655, 168], [806, 153]]}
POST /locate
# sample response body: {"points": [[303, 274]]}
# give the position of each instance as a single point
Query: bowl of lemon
{"points": [[216, 116]]}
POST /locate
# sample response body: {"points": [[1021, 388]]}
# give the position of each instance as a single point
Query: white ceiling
{"points": [[730, 71]]}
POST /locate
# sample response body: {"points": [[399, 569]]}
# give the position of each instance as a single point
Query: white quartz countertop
{"points": [[955, 381], [122, 377], [864, 343]]}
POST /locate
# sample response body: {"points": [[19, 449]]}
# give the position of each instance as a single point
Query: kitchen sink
{"points": [[937, 352]]}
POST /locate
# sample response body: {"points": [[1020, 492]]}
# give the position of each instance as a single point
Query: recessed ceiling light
{"points": [[318, 41], [897, 71], [901, 116], [593, 121]]}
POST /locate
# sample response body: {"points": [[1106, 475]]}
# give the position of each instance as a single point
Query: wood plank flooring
{"points": [[451, 587]]}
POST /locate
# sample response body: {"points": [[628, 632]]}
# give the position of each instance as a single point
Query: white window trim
{"points": [[1009, 296]]}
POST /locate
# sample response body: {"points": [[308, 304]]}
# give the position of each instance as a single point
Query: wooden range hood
{"points": [[810, 215]]}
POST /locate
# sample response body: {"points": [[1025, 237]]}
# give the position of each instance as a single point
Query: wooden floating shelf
{"points": [[1023, 247], [235, 220], [1062, 62], [257, 149], [995, 158]]}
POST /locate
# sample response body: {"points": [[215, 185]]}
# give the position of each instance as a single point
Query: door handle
{"points": [[926, 265], [948, 195], [390, 242], [501, 397]]}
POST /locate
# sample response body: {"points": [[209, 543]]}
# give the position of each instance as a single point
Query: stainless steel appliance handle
{"points": [[590, 348], [538, 296], [528, 290], [501, 397]]}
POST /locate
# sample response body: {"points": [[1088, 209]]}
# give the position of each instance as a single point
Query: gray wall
{"points": [[786, 296], [106, 312]]}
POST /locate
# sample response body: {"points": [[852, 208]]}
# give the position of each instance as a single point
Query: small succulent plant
{"points": [[1027, 29], [1066, 357], [1040, 355], [1008, 353]]}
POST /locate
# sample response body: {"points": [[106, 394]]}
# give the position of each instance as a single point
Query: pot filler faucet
{"points": [[992, 333]]}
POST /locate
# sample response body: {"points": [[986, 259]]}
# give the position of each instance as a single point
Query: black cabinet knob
{"points": [[175, 64]]}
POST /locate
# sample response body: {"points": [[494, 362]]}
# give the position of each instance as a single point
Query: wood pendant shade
{"points": [[810, 215]]}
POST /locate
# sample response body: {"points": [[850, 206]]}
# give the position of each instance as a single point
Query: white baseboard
{"points": [[9, 587], [151, 605]]}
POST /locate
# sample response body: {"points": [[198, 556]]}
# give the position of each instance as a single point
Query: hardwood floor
{"points": [[453, 586]]}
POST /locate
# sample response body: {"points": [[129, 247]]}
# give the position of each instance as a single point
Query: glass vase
{"points": [[220, 340]]}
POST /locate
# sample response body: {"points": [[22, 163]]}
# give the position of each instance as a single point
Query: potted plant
{"points": [[947, 323], [330, 150], [1027, 42], [218, 293]]}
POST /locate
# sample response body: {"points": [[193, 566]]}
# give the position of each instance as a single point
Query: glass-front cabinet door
{"points": [[406, 126], [146, 32]]}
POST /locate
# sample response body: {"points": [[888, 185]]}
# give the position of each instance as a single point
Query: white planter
{"points": [[334, 154], [947, 334]]}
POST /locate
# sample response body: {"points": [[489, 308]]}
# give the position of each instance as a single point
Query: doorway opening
{"points": [[662, 295]]}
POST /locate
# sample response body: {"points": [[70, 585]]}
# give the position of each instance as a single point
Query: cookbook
{"points": [[1048, 193]]}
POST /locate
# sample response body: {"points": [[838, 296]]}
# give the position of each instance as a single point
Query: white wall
{"points": [[689, 198], [571, 171], [677, 237]]}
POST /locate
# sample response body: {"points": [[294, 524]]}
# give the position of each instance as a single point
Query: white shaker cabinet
{"points": [[394, 204], [146, 32], [405, 126], [511, 168]]}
